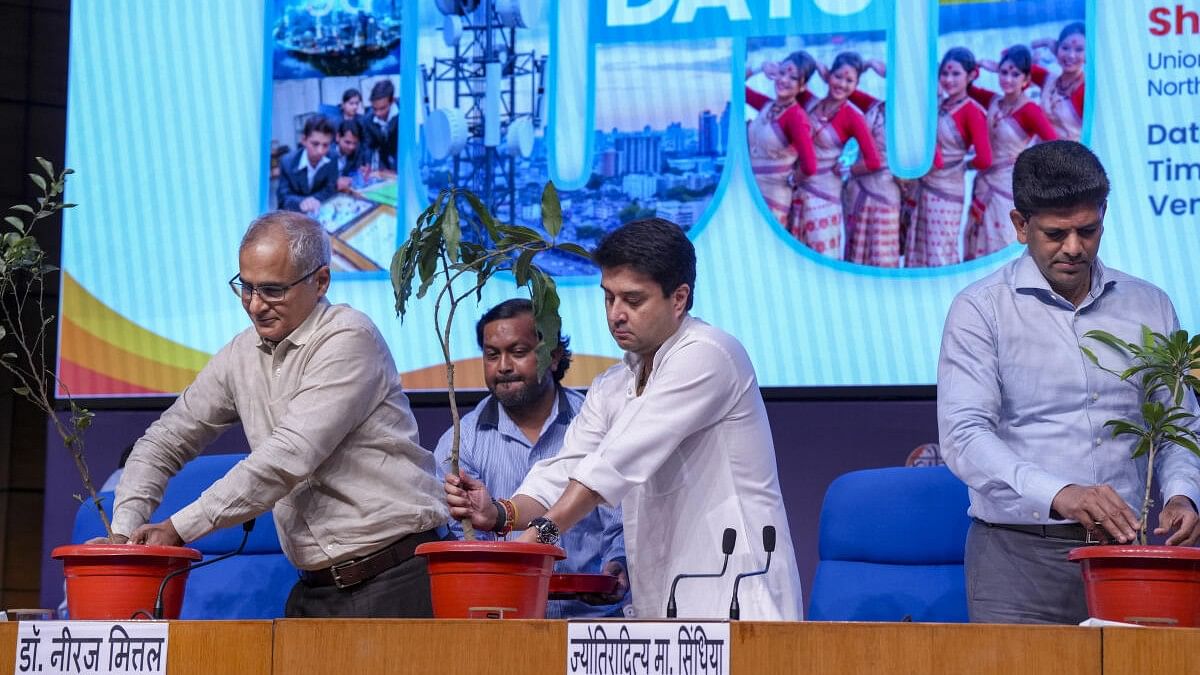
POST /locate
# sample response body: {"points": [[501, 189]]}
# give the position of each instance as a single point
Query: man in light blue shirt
{"points": [[1021, 410], [522, 422]]}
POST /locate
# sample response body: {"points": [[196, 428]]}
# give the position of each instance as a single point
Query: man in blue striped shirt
{"points": [[524, 421]]}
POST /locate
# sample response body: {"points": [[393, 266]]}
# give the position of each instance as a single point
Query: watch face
{"points": [[547, 531]]}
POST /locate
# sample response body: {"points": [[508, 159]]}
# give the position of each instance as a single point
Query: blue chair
{"points": [[253, 585], [891, 547]]}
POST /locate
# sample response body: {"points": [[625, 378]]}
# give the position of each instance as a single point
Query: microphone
{"points": [[158, 598], [735, 612], [727, 542]]}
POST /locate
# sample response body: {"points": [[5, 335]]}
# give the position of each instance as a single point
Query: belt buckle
{"points": [[336, 572], [1087, 539]]}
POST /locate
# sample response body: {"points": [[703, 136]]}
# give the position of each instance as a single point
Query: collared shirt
{"points": [[689, 457], [1021, 410], [309, 170], [333, 444], [495, 450]]}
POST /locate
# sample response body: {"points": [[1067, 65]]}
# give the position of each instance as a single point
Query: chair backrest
{"points": [[891, 547], [253, 585]]}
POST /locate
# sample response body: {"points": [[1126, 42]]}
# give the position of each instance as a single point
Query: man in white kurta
{"points": [[677, 434]]}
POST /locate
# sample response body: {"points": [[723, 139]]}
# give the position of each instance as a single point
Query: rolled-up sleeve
{"points": [[335, 394], [202, 412], [696, 390]]}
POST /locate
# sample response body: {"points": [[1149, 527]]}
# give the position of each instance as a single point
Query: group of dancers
{"points": [[797, 139]]}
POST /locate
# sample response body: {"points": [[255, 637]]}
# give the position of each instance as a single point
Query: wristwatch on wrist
{"points": [[547, 531]]}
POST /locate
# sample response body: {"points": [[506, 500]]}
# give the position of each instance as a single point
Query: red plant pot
{"points": [[115, 581], [1148, 585], [489, 579]]}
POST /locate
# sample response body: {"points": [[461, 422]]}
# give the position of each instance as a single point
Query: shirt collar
{"points": [[1027, 276], [303, 164], [392, 112], [633, 361], [303, 332], [492, 413]]}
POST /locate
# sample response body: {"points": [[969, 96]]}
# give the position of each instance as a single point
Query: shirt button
{"points": [[277, 371], [1036, 515], [1095, 397], [1099, 441]]}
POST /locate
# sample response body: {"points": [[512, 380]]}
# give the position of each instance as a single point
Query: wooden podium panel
{"points": [[1138, 651], [913, 648], [401, 646], [219, 648]]}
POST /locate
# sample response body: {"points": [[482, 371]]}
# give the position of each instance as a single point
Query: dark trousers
{"points": [[402, 591], [1015, 577]]}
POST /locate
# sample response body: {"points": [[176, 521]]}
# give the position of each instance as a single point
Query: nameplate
{"points": [[647, 648], [93, 647]]}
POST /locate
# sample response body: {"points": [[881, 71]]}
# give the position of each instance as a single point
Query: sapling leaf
{"points": [[451, 230], [46, 166], [551, 210], [38, 180], [574, 249], [24, 207], [522, 266], [485, 216], [1142, 447]]}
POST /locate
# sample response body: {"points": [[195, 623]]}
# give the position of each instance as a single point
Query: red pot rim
{"points": [[521, 547], [1129, 551], [124, 550]]}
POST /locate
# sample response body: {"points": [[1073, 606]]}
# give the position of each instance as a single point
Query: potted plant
{"points": [[476, 578], [1138, 583], [103, 581]]}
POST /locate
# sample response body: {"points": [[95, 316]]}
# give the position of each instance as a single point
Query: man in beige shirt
{"points": [[333, 442]]}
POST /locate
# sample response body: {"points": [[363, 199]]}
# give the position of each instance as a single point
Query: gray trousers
{"points": [[402, 591], [1015, 577]]}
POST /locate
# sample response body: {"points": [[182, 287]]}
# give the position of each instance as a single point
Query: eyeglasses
{"points": [[268, 292]]}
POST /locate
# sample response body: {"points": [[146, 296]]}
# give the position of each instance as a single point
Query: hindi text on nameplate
{"points": [[647, 648], [91, 647]]}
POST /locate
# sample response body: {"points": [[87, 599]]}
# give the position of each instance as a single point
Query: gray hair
{"points": [[308, 243]]}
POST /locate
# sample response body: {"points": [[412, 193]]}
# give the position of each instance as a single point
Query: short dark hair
{"points": [[511, 309], [805, 64], [319, 124], [655, 247], [349, 126], [965, 58], [852, 59], [1073, 28], [1020, 57], [1058, 175], [351, 93], [383, 89]]}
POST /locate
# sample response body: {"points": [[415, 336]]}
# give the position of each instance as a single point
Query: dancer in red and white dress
{"points": [[780, 137], [834, 121], [872, 198], [1013, 122], [1063, 94], [933, 239]]}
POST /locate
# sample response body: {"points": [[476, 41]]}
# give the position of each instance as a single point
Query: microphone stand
{"points": [[735, 611], [727, 541], [162, 587]]}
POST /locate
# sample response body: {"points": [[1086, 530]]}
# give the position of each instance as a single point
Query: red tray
{"points": [[568, 586]]}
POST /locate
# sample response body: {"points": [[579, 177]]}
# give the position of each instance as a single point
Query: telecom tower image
{"points": [[483, 104]]}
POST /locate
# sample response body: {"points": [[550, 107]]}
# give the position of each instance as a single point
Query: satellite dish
{"points": [[518, 13], [519, 139], [460, 7], [452, 29], [445, 132]]}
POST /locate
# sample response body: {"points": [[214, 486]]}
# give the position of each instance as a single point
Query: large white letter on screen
{"points": [[780, 9], [685, 11], [621, 14]]}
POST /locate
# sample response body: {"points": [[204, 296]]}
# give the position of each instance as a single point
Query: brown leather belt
{"points": [[353, 572], [1068, 531]]}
